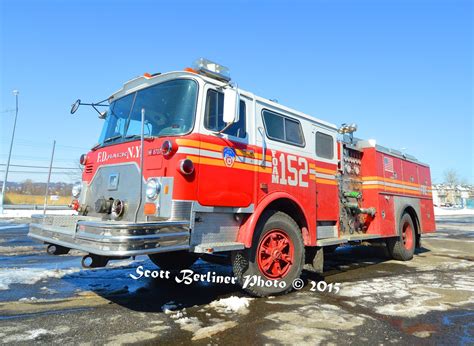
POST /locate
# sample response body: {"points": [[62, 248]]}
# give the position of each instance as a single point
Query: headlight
{"points": [[153, 188], [76, 190]]}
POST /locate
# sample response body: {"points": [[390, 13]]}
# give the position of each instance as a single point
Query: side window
{"points": [[283, 129], [324, 145], [213, 117]]}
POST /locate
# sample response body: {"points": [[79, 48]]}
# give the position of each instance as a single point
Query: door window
{"points": [[213, 118]]}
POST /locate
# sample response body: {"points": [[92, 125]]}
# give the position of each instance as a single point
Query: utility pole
{"points": [[2, 198], [49, 179]]}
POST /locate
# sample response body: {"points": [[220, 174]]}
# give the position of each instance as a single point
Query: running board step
{"points": [[218, 247], [347, 239]]}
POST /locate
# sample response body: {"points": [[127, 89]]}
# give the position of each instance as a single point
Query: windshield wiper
{"points": [[132, 136], [110, 139], [105, 141], [137, 136]]}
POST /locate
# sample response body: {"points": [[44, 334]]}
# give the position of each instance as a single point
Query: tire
{"points": [[402, 247], [277, 255], [173, 261]]}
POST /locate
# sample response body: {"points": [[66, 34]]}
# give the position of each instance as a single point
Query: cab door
{"points": [[226, 165]]}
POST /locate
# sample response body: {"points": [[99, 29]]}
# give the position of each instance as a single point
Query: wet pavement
{"points": [[429, 300]]}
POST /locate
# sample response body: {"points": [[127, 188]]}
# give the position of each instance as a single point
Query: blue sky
{"points": [[402, 70]]}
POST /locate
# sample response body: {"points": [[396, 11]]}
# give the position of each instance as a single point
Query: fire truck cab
{"points": [[188, 164]]}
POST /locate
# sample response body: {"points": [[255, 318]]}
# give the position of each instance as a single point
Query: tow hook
{"points": [[56, 250], [94, 261]]}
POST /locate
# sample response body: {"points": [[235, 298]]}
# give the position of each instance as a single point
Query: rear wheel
{"points": [[173, 261], [402, 247], [275, 259]]}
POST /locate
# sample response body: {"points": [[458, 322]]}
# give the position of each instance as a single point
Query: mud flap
{"points": [[314, 260]]}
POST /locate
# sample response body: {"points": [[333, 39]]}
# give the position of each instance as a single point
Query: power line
{"points": [[26, 166], [27, 142], [35, 158], [36, 172]]}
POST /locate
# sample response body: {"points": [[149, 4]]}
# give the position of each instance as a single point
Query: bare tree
{"points": [[78, 173], [27, 187], [451, 177]]}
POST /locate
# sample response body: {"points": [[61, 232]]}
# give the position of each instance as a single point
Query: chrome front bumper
{"points": [[110, 238]]}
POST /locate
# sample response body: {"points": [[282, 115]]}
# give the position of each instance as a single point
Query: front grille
{"points": [[89, 168]]}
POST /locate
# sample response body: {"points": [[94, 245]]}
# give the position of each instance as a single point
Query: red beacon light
{"points": [[167, 148], [83, 159]]}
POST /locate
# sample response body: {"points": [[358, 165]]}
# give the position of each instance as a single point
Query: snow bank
{"points": [[13, 226], [449, 211], [9, 213], [29, 276], [231, 304]]}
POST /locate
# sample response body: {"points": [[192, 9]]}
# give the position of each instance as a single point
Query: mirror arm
{"points": [[223, 129], [93, 106]]}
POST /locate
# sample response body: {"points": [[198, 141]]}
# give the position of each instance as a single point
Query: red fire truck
{"points": [[189, 164]]}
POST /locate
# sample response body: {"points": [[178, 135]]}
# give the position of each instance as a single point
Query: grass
{"points": [[17, 198]]}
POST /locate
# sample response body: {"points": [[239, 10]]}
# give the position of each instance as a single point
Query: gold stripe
{"points": [[217, 147], [326, 181], [220, 163], [322, 170], [395, 181], [259, 157], [249, 167], [389, 188]]}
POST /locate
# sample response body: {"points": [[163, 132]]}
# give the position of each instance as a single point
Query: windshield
{"points": [[169, 111]]}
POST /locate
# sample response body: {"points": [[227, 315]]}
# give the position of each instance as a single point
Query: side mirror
{"points": [[75, 106], [231, 105]]}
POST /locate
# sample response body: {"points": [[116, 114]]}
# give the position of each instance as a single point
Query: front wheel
{"points": [[402, 247], [275, 259]]}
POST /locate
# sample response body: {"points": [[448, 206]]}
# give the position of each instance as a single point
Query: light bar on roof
{"points": [[212, 69]]}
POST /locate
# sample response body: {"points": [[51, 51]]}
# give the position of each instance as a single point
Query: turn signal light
{"points": [[75, 205], [186, 166], [149, 209]]}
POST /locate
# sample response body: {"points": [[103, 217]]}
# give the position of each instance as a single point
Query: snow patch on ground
{"points": [[231, 305], [30, 276], [312, 323], [189, 324], [35, 334], [207, 332], [13, 226], [449, 211], [9, 213], [412, 295], [169, 307], [16, 250]]}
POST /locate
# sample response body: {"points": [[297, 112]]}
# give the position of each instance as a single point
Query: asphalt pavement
{"points": [[429, 300]]}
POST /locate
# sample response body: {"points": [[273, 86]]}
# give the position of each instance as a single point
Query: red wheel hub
{"points": [[275, 254], [407, 236]]}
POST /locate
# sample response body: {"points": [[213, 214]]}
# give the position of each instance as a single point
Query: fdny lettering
{"points": [[297, 170], [131, 153]]}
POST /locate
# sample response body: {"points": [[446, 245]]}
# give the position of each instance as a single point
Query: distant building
{"points": [[453, 195]]}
